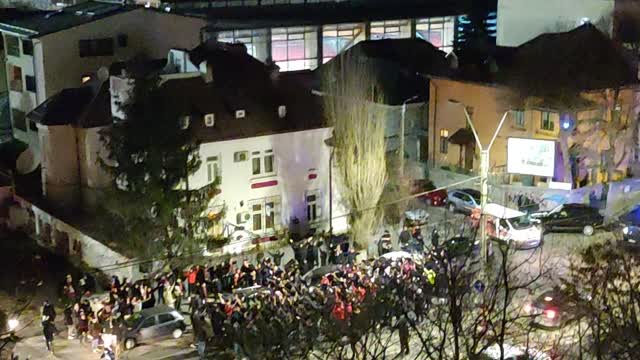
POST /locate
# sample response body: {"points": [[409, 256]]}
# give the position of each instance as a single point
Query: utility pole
{"points": [[484, 175], [402, 126]]}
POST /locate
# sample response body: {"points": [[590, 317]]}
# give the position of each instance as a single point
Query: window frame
{"points": [[213, 168], [26, 50], [545, 117], [27, 82], [15, 46], [313, 206], [444, 141], [519, 120]]}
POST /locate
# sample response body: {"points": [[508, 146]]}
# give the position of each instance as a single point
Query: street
{"points": [[552, 260]]}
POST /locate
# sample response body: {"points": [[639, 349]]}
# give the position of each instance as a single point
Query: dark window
{"points": [[546, 121], [27, 47], [32, 125], [13, 45], [123, 40], [19, 121], [256, 165], [96, 47], [163, 318], [30, 83], [518, 118], [148, 322]]}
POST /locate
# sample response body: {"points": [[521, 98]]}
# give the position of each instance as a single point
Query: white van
{"points": [[512, 226]]}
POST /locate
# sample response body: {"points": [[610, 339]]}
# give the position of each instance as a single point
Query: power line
{"points": [[140, 261]]}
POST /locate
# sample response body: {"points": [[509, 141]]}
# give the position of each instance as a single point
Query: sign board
{"points": [[531, 156]]}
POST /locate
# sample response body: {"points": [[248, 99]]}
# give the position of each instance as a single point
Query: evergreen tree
{"points": [[152, 156]]}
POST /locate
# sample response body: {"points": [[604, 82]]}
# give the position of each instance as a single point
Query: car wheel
{"points": [[177, 333], [452, 207], [129, 344], [588, 230], [428, 202]]}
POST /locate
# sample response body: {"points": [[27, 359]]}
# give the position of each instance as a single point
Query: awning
{"points": [[462, 137]]}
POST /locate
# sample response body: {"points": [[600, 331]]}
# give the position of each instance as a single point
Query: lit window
{"points": [[438, 31], [444, 141], [295, 48], [254, 40], [546, 122], [518, 118], [15, 78], [213, 168], [390, 29], [337, 38]]}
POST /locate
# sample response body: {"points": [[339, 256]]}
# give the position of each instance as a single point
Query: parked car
{"points": [[553, 309], [630, 228], [463, 200], [511, 352], [434, 197], [153, 324], [572, 218], [512, 226]]}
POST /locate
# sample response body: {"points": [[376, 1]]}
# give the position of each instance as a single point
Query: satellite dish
{"points": [[27, 162], [103, 74]]}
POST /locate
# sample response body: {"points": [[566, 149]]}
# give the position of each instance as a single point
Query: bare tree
{"points": [[359, 139]]}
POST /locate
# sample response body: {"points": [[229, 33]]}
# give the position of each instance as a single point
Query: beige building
{"points": [[46, 53], [488, 95]]}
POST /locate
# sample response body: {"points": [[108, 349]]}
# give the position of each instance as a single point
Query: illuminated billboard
{"points": [[531, 156]]}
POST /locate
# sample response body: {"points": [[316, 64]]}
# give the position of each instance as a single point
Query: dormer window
{"points": [[184, 122], [282, 111], [240, 114], [210, 120]]}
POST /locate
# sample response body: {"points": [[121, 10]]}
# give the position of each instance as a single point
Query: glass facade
{"points": [[295, 48], [438, 31], [337, 38], [390, 29], [255, 40]]}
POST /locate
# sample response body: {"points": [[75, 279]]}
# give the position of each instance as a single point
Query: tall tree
{"points": [[359, 140], [152, 156]]}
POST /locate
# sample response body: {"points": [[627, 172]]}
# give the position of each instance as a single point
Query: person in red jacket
{"points": [[191, 280]]}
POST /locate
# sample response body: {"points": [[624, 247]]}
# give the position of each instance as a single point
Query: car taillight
{"points": [[527, 308], [550, 314]]}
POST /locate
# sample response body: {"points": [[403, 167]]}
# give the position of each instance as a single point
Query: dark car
{"points": [[156, 323], [630, 228], [553, 309], [571, 218], [434, 197]]}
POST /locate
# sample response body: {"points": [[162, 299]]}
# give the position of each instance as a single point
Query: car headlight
{"points": [[625, 230]]}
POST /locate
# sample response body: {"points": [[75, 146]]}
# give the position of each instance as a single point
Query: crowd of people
{"points": [[264, 307]]}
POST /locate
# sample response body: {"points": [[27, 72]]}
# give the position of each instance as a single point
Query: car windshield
{"points": [[520, 222]]}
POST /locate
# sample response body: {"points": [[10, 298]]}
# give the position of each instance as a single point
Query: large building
{"points": [[48, 52]]}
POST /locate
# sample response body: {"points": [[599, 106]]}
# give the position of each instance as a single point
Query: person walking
{"points": [[403, 333], [48, 330]]}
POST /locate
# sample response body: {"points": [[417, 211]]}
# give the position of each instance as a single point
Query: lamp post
{"points": [[402, 120], [330, 142], [484, 174]]}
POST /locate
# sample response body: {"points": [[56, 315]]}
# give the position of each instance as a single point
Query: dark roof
{"points": [[41, 24], [255, 17], [86, 106], [461, 137], [400, 65], [583, 58], [578, 60], [241, 82]]}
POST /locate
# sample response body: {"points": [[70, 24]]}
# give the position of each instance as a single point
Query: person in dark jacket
{"points": [[403, 333], [48, 330]]}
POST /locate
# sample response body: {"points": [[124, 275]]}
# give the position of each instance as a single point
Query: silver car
{"points": [[153, 324], [463, 200]]}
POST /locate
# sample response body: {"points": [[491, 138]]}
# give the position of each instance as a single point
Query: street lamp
{"points": [[402, 120], [331, 142], [484, 173]]}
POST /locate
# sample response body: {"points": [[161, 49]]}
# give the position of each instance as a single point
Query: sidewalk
{"points": [[34, 348]]}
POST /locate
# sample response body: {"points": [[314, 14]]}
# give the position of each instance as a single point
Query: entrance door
{"points": [[469, 152]]}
